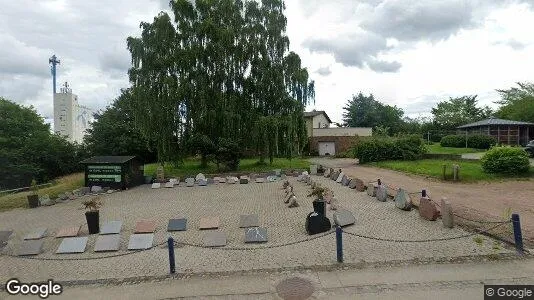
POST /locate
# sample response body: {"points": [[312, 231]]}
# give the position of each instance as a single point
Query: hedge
{"points": [[506, 160], [473, 141], [379, 149]]}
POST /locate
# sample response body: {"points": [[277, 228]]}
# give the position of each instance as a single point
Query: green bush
{"points": [[506, 160], [473, 141], [378, 149]]}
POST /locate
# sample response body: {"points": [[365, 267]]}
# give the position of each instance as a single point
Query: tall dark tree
{"points": [[366, 111]]}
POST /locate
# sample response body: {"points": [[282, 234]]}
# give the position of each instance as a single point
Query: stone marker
{"points": [[85, 190], [214, 239], [327, 173], [96, 189], [243, 180], [260, 180], [313, 169], [202, 182], [371, 189], [340, 177], [177, 225], [335, 175], [73, 245], [272, 178], [169, 184], [156, 185], [4, 236], [344, 217], [248, 221], [141, 241], [333, 203], [427, 209], [283, 176], [32, 247], [200, 176], [293, 202], [402, 200], [68, 232], [392, 190], [145, 226], [222, 180], [357, 184], [190, 182], [111, 227], [45, 200], [345, 180], [381, 193], [210, 181], [216, 179], [64, 196], [256, 235], [108, 242], [446, 213], [209, 223], [277, 172], [36, 234], [174, 181]]}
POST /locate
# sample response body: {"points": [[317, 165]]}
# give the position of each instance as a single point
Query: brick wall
{"points": [[343, 143]]}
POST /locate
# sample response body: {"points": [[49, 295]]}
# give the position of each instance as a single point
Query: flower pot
{"points": [[93, 223], [319, 206], [33, 201]]}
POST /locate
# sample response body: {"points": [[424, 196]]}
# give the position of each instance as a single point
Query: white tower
{"points": [[70, 119]]}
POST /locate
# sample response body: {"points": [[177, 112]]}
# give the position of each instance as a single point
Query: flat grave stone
{"points": [[36, 234], [256, 235], [141, 241], [95, 189], [202, 182], [31, 247], [345, 180], [214, 239], [111, 227], [371, 189], [4, 236], [145, 226], [340, 177], [209, 223], [110, 242], [260, 180], [381, 193], [249, 221], [200, 176], [190, 182], [344, 217], [427, 209], [169, 184], [177, 224], [313, 169], [71, 231], [156, 185], [446, 213], [402, 200], [72, 245]]}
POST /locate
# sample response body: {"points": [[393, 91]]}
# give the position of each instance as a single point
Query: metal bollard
{"points": [[518, 237], [339, 244], [170, 244]]}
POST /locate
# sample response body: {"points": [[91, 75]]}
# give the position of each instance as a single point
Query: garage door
{"points": [[327, 148]]}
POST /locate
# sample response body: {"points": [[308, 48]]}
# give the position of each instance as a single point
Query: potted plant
{"points": [[33, 198], [319, 205], [92, 215]]}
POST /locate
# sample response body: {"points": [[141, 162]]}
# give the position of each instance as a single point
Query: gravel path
{"points": [[284, 225]]}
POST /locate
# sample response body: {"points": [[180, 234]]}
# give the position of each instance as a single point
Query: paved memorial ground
{"points": [[228, 202]]}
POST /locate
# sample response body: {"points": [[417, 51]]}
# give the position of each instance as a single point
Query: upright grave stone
{"points": [[371, 189], [260, 180], [427, 208], [160, 174], [446, 213], [199, 177], [202, 182], [327, 173], [381, 193], [210, 181], [344, 217], [222, 180], [345, 180], [339, 178], [94, 189], [190, 182], [169, 184], [402, 200], [231, 180], [335, 175], [243, 179], [277, 172], [313, 169], [357, 184], [156, 185], [4, 237]]}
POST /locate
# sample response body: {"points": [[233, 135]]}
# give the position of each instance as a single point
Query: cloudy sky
{"points": [[409, 53]]}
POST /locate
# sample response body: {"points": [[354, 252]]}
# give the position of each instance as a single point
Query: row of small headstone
{"points": [[46, 200], [201, 180], [290, 198]]}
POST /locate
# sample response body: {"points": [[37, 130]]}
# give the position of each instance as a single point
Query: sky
{"points": [[409, 53]]}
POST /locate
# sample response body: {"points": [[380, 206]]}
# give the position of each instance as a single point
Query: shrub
{"points": [[473, 141], [378, 149], [228, 154], [506, 160]]}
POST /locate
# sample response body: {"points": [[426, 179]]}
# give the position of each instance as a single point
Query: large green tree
{"points": [[366, 111], [220, 70], [458, 111], [113, 132], [517, 103]]}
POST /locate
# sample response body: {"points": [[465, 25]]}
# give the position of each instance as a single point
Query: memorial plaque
{"points": [[156, 185], [177, 224], [189, 182], [169, 184], [145, 226], [344, 217], [73, 245], [110, 242], [4, 236], [402, 200], [446, 213], [209, 223], [249, 221], [256, 235], [214, 239], [31, 247], [111, 227], [340, 177], [381, 193], [141, 241], [68, 232], [260, 180], [313, 169], [38, 233], [200, 176]]}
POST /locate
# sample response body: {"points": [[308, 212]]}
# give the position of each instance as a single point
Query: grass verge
{"points": [[437, 149]]}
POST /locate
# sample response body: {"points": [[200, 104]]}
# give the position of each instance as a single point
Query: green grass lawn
{"points": [[61, 185], [470, 171], [192, 166], [437, 149]]}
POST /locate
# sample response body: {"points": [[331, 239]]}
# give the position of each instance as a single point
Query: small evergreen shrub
{"points": [[506, 160], [456, 141]]}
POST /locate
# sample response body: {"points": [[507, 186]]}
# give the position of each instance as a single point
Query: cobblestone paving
{"points": [[284, 225]]}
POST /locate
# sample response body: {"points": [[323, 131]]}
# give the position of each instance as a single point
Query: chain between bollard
{"points": [[471, 220], [425, 240]]}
